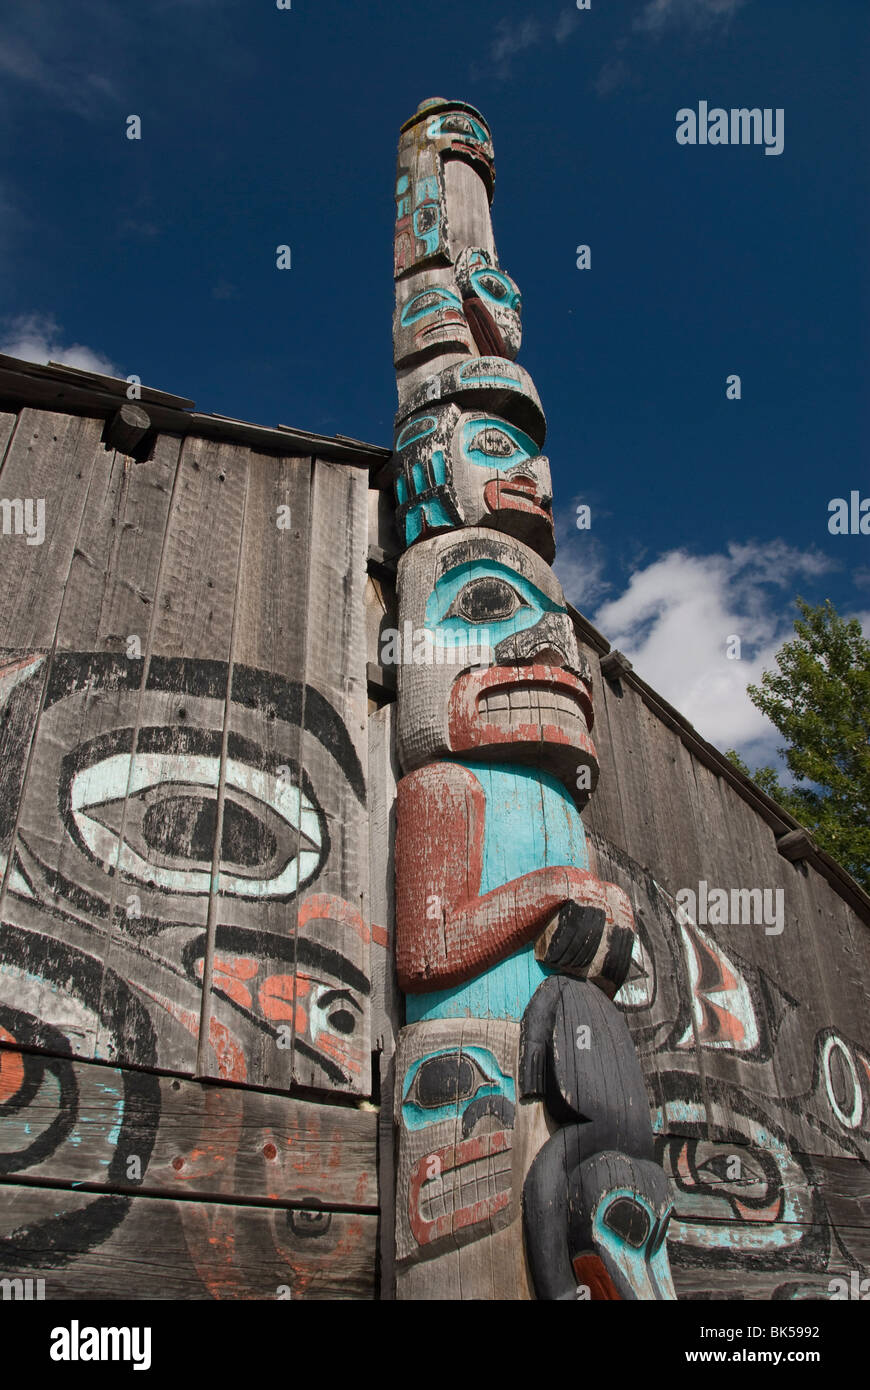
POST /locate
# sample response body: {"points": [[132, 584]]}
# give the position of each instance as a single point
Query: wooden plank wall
{"points": [[184, 918], [754, 1040]]}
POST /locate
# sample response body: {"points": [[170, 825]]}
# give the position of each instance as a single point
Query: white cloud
{"points": [[34, 57], [613, 75], [660, 14], [659, 17], [675, 617], [579, 571], [580, 562], [79, 58], [512, 37], [565, 25], [39, 338]]}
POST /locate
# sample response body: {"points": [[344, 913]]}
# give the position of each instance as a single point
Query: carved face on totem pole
{"points": [[491, 383], [456, 1101], [430, 320], [500, 675], [478, 307], [438, 133], [456, 467], [454, 130], [492, 303], [619, 1214]]}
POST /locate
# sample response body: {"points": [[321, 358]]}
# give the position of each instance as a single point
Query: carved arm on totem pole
{"points": [[448, 931]]}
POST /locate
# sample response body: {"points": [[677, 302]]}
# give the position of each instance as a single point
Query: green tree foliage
{"points": [[819, 700]]}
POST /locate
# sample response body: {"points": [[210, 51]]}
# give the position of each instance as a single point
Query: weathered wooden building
{"points": [[187, 957], [199, 761]]}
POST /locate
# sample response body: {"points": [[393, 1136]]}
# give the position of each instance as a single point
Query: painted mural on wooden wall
{"points": [[135, 935], [134, 809], [526, 1149], [760, 1107], [76, 1128], [88, 972]]}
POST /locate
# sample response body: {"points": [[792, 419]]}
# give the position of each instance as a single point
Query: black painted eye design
{"points": [[755, 1181], [432, 299], [493, 286], [494, 443], [486, 600], [425, 218], [152, 817], [718, 1167], [445, 1080], [457, 125], [429, 302], [628, 1220], [659, 1234], [337, 1009]]}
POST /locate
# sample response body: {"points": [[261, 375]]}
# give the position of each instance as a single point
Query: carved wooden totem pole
{"points": [[525, 1146]]}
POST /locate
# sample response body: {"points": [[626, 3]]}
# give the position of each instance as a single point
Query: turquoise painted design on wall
{"points": [[531, 822]]}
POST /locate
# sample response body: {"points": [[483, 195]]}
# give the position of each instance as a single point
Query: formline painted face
{"points": [[492, 303], [455, 467], [456, 1104], [135, 809], [533, 702]]}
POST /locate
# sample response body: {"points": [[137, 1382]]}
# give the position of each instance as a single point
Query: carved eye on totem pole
{"points": [[455, 130], [456, 467], [501, 675], [618, 1227], [463, 134], [492, 302], [430, 321]]}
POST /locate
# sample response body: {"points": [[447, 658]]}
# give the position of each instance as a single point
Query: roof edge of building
{"points": [[793, 840], [56, 386]]}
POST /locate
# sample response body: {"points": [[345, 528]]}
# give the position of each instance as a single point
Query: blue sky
{"points": [[263, 127]]}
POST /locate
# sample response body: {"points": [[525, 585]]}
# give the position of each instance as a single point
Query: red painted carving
{"points": [[468, 729], [516, 495], [455, 1156], [591, 1274], [445, 931]]}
